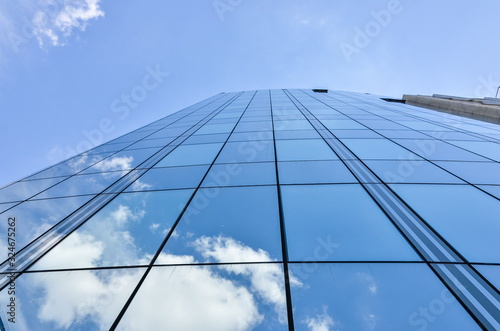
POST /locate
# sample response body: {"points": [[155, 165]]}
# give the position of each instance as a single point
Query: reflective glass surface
{"points": [[333, 226], [25, 189], [169, 178], [194, 208], [76, 300], [35, 217], [235, 224], [408, 171], [374, 297], [466, 217], [310, 172], [236, 174], [297, 150], [218, 298], [378, 149], [82, 184], [191, 155], [128, 231], [247, 151]]}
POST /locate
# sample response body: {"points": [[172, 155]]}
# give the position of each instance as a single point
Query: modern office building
{"points": [[263, 210]]}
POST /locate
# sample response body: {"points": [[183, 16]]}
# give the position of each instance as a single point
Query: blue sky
{"points": [[66, 67]]}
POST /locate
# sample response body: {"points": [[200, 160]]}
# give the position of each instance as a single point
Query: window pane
{"points": [[125, 160], [475, 172], [247, 151], [300, 134], [438, 150], [239, 220], [466, 217], [310, 172], [169, 178], [82, 184], [296, 150], [491, 273], [25, 189], [35, 217], [222, 298], [407, 171], [339, 222], [342, 124], [238, 174], [375, 297], [378, 149], [76, 300], [190, 155], [127, 231]]}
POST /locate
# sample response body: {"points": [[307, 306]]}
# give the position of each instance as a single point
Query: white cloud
{"points": [[57, 19], [77, 250], [123, 215], [140, 186], [266, 279], [115, 163], [371, 321], [369, 280], [153, 227], [189, 298], [321, 322]]}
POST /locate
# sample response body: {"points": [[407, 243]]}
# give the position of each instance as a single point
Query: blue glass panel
{"points": [[82, 184], [69, 167], [438, 150], [5, 206], [491, 189], [222, 298], [237, 174], [150, 143], [407, 171], [300, 134], [491, 273], [71, 300], [421, 125], [342, 125], [474, 172], [220, 218], [485, 148], [253, 126], [356, 134], [466, 217], [127, 231], [403, 134], [215, 128], [206, 139], [325, 223], [124, 160], [247, 151], [374, 297], [190, 155], [310, 172], [253, 135], [378, 149], [284, 125], [297, 150], [35, 217], [25, 189], [169, 178]]}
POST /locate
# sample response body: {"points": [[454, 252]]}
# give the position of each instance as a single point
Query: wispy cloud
{"points": [[320, 322], [55, 27], [49, 22]]}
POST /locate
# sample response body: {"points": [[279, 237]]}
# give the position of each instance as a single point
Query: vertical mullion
{"points": [[284, 248]]}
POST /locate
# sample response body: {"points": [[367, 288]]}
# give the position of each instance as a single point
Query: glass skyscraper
{"points": [[263, 210]]}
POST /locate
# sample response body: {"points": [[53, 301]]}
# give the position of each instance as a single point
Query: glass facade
{"points": [[263, 210]]}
